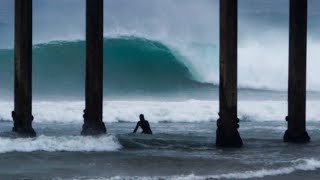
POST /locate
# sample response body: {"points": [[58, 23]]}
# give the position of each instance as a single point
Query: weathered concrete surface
{"points": [[227, 132], [22, 114], [297, 73], [93, 122]]}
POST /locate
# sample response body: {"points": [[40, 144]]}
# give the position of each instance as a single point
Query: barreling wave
{"points": [[131, 65], [135, 64]]}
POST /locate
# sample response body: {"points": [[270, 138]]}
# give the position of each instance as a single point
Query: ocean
{"points": [[161, 59]]}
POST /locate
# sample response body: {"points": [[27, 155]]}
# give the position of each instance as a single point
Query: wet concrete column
{"points": [[93, 122], [297, 73], [227, 124], [22, 114]]}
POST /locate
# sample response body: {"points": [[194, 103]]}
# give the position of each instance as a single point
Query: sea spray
{"points": [[147, 65], [158, 111], [59, 143]]}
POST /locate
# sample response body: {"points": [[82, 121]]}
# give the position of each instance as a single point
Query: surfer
{"points": [[144, 124]]}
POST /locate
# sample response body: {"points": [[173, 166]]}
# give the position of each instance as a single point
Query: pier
{"points": [[93, 122], [227, 124], [297, 73], [227, 134], [22, 114]]}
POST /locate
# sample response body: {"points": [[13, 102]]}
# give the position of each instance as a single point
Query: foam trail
{"points": [[60, 143], [299, 165], [184, 111]]}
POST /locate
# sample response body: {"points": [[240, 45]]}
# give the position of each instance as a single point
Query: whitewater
{"points": [[157, 111]]}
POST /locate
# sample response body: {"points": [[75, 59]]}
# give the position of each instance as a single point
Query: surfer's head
{"points": [[141, 117]]}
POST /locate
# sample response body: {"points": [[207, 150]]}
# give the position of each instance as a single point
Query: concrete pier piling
{"points": [[227, 124], [93, 121], [296, 118], [22, 114], [227, 134]]}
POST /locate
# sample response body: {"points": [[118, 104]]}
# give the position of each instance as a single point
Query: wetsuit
{"points": [[144, 126]]}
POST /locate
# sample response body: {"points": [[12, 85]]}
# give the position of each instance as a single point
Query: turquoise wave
{"points": [[131, 65]]}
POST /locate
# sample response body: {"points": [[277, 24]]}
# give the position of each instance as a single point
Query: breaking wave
{"points": [[131, 65], [59, 143], [158, 112]]}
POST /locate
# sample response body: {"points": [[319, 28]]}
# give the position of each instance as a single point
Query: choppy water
{"points": [[175, 151], [182, 147]]}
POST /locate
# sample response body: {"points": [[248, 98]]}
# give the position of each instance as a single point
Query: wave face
{"points": [[131, 65]]}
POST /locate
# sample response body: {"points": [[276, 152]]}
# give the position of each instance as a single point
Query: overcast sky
{"points": [[184, 19]]}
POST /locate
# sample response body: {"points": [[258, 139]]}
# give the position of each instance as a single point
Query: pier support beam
{"points": [[297, 73], [22, 114], [227, 124], [93, 122]]}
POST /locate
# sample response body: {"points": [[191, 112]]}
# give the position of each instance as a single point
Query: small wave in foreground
{"points": [[298, 165], [60, 143]]}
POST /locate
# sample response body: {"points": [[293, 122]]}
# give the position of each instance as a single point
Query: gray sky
{"points": [[192, 20]]}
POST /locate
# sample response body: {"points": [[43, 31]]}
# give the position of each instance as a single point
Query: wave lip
{"points": [[136, 62], [61, 143]]}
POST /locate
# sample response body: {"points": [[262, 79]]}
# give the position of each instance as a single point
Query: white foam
{"points": [[298, 165], [60, 143], [263, 62], [184, 111]]}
